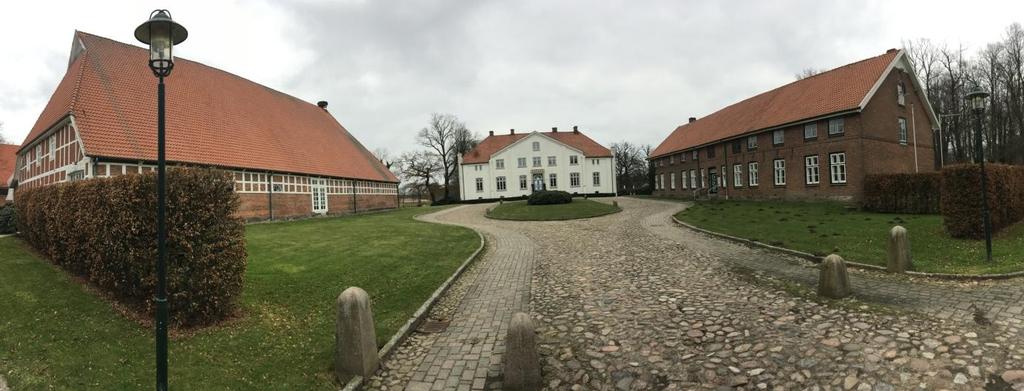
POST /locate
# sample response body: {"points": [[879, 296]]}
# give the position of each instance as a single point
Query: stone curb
{"points": [[424, 310], [817, 259]]}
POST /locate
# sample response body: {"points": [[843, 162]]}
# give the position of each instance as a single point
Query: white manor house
{"points": [[515, 165]]}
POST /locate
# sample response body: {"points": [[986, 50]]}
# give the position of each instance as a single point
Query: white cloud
{"points": [[622, 70]]}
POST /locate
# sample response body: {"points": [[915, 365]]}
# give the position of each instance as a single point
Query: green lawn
{"points": [[823, 227], [577, 209], [53, 334]]}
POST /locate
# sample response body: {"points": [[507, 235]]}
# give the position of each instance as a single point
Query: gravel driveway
{"points": [[631, 301]]}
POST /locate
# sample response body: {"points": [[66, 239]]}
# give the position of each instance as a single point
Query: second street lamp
{"points": [[161, 34], [976, 99]]}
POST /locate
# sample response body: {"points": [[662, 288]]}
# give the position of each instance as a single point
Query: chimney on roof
{"points": [[512, 131], [575, 129], [491, 133], [893, 50], [554, 129], [322, 104], [692, 120]]}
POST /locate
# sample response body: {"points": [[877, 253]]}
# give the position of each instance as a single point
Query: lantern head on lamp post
{"points": [[161, 34], [977, 100]]}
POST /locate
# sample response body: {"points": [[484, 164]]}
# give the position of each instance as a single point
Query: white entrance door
{"points": [[319, 187]]}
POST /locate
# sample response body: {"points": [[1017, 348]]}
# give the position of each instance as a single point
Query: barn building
{"points": [[289, 157], [517, 164], [815, 138]]}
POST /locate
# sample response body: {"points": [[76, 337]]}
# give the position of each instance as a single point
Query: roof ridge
{"points": [[78, 77], [205, 66]]}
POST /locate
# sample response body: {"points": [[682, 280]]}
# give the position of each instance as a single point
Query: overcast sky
{"points": [[621, 70]]}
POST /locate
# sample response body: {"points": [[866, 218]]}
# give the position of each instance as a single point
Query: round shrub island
{"points": [[549, 197], [557, 206]]}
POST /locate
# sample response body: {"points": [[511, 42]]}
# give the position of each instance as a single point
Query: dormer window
{"points": [[901, 94]]}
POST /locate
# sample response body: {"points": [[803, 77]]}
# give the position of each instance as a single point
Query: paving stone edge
{"points": [[817, 259], [424, 310]]}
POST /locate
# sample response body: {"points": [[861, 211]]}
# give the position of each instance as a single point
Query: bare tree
{"points": [[807, 72], [631, 167], [417, 169], [446, 138], [384, 156], [3, 140]]}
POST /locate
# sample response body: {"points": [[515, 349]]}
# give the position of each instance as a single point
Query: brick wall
{"points": [[255, 206]]}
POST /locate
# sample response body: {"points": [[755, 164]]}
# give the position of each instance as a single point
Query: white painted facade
{"points": [[557, 161]]}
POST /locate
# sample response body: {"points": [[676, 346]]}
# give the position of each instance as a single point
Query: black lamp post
{"points": [[161, 34], [977, 102]]}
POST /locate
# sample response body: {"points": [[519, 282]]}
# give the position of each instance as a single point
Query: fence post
{"points": [[355, 340]]}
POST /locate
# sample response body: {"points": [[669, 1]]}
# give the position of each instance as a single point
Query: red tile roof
{"points": [[830, 92], [492, 144], [8, 153], [213, 117]]}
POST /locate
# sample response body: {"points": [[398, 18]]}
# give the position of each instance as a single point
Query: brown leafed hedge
{"points": [[105, 231], [903, 193], [961, 198]]}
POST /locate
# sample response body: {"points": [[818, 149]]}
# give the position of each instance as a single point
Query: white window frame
{"points": [[597, 178], [751, 142], [837, 167], [685, 178], [693, 179], [521, 162], [552, 161], [672, 180], [779, 171], [723, 178], [574, 179], [836, 126], [500, 183], [696, 155], [703, 177], [574, 160], [737, 175], [901, 133], [499, 164], [536, 161], [53, 147], [553, 180], [536, 146], [479, 185], [778, 137], [318, 188], [812, 171], [901, 94], [523, 183], [752, 174]]}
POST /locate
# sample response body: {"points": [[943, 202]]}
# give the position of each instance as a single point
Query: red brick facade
{"points": [[869, 144], [285, 206]]}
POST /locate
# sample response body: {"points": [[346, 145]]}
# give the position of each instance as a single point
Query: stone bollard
{"points": [[522, 362], [899, 250], [355, 340], [833, 282]]}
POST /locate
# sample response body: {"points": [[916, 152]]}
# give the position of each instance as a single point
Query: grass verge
{"points": [[577, 209], [54, 334], [821, 228]]}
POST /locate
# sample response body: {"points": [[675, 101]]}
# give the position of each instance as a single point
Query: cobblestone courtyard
{"points": [[632, 301]]}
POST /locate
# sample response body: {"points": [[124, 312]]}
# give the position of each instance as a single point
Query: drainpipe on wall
{"points": [[913, 125]]}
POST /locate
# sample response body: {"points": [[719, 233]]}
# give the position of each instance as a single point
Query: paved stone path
{"points": [[632, 302], [467, 355]]}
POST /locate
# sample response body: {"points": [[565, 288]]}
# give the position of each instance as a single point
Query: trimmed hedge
{"points": [[961, 198], [903, 193], [105, 231], [8, 219], [549, 197]]}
